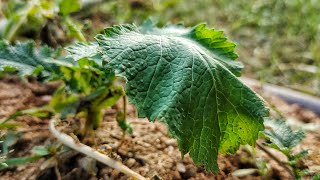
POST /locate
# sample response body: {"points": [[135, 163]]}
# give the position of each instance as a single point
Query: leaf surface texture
{"points": [[186, 78]]}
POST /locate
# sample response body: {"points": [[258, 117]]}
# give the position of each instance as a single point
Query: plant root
{"points": [[77, 146]]}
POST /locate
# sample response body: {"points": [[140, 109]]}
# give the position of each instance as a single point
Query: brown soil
{"points": [[149, 151]]}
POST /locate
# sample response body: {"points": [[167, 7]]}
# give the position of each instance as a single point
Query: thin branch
{"points": [[282, 164], [124, 98], [69, 141]]}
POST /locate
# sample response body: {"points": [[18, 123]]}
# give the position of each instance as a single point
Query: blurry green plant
{"points": [[2, 159], [27, 16], [278, 136], [281, 137], [87, 87]]}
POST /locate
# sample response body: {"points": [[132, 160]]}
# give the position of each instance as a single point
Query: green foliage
{"points": [[87, 86], [85, 50], [2, 160], [122, 123], [41, 150], [281, 135], [316, 177], [37, 112], [9, 139], [284, 139], [26, 16], [10, 162], [18, 13], [37, 153], [186, 79], [69, 6], [86, 89], [2, 164], [28, 60], [163, 88]]}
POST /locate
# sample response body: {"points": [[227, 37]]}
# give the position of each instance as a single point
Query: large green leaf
{"points": [[186, 78], [28, 60]]}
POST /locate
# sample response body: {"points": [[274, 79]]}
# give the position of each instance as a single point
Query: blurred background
{"points": [[277, 40]]}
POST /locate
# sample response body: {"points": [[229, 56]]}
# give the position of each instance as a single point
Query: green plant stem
{"points": [[77, 146], [276, 159], [124, 98]]}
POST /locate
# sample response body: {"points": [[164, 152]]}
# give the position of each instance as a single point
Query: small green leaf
{"points": [[10, 162], [93, 95], [40, 150], [37, 111], [3, 165], [281, 135], [301, 154], [69, 6], [82, 50], [8, 125], [115, 94], [316, 177], [9, 139], [64, 103], [29, 60], [185, 77]]}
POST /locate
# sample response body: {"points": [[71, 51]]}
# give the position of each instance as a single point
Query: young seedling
{"points": [[281, 137]]}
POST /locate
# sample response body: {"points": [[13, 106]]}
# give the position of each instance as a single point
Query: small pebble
{"points": [[131, 162], [130, 154], [181, 168], [171, 142], [123, 152], [159, 146], [170, 150], [167, 164]]}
